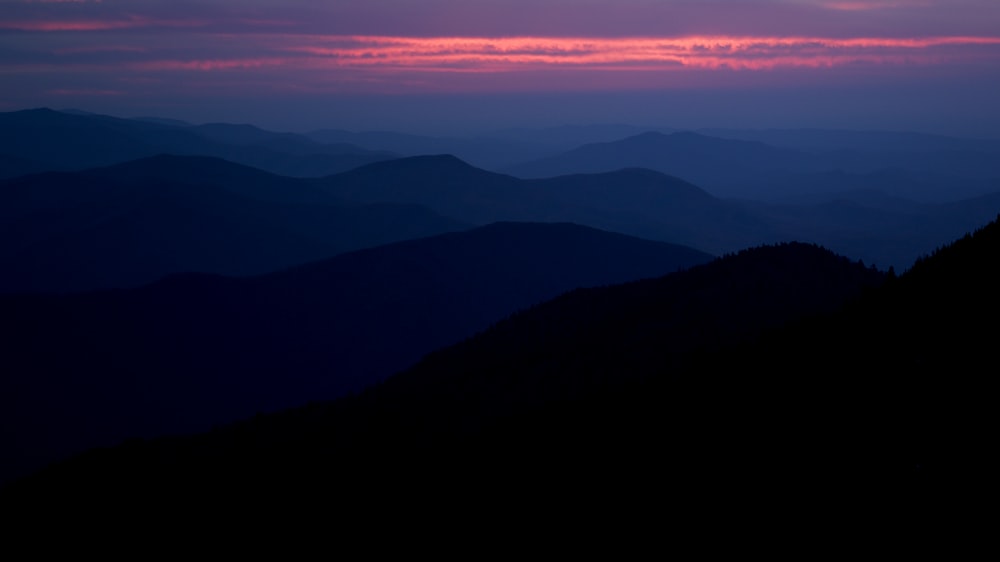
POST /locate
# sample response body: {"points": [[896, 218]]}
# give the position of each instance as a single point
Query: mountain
{"points": [[493, 150], [784, 374], [866, 224], [459, 413], [12, 166], [195, 350], [635, 202], [133, 223], [708, 161], [571, 136], [67, 141], [488, 152], [741, 166], [819, 140]]}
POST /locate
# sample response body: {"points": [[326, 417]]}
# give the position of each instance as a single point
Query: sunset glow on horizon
{"points": [[151, 54]]}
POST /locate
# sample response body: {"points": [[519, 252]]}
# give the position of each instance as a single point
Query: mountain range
{"points": [[44, 139], [926, 169], [582, 313], [195, 350], [132, 223], [781, 373]]}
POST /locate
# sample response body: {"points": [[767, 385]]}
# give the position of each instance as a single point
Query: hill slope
{"points": [[475, 401], [196, 350]]}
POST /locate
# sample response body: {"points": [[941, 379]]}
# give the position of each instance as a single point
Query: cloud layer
{"points": [[66, 50]]}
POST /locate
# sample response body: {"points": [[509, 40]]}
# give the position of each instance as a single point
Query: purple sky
{"points": [[441, 66]]}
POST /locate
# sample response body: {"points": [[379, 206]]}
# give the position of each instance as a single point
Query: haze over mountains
{"points": [[801, 164], [187, 212], [162, 277], [132, 223], [54, 140]]}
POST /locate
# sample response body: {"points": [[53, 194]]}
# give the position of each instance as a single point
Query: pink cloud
{"points": [[475, 54], [131, 22], [88, 49]]}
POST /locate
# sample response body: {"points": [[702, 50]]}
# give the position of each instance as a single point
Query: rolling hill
{"points": [[191, 351], [782, 374]]}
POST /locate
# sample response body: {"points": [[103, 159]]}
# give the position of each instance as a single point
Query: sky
{"points": [[467, 66]]}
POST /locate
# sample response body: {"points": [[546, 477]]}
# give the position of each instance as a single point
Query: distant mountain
{"points": [[492, 150], [866, 224], [572, 136], [133, 223], [196, 350], [709, 161], [785, 375], [65, 142], [867, 141], [635, 202], [742, 166], [488, 152]]}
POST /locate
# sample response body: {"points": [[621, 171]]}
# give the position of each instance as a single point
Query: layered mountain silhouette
{"points": [[526, 403], [60, 141], [312, 309], [870, 226], [133, 223], [191, 351], [871, 142], [491, 153], [704, 160], [818, 164], [782, 374]]}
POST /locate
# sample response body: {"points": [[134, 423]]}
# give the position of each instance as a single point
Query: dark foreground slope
{"points": [[598, 394], [191, 351]]}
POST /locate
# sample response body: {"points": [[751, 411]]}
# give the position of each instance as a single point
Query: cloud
{"points": [[130, 22], [526, 53]]}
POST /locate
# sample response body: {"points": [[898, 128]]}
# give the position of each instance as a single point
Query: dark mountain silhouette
{"points": [[195, 350], [866, 225], [636, 202], [531, 403], [784, 375], [133, 223], [12, 166], [65, 142], [209, 171], [885, 201]]}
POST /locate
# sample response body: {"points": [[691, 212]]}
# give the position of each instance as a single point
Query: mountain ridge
{"points": [[192, 350]]}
